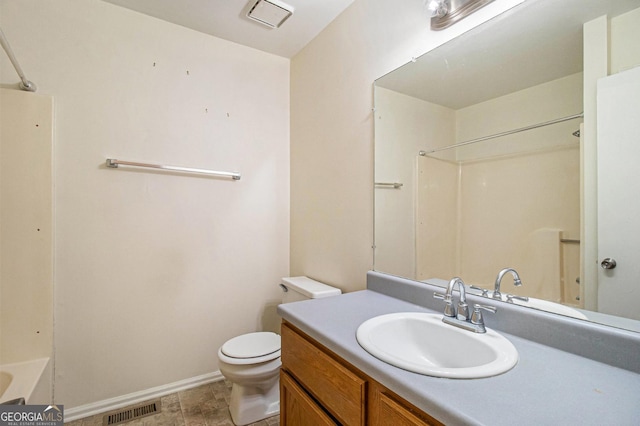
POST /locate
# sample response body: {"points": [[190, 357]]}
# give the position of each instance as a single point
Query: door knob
{"points": [[608, 263]]}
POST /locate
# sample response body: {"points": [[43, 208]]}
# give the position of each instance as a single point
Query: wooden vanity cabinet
{"points": [[317, 387], [340, 391]]}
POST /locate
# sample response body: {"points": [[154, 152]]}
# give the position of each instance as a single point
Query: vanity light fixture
{"points": [[445, 13], [271, 13]]}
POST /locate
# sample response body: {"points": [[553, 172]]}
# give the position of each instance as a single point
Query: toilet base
{"points": [[250, 404]]}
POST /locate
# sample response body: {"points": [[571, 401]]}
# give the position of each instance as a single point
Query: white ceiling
{"points": [[227, 19]]}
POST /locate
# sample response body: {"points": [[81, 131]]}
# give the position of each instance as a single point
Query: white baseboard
{"points": [[111, 404]]}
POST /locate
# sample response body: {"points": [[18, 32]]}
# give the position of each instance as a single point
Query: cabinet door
{"points": [[392, 413], [297, 408], [341, 392], [387, 408]]}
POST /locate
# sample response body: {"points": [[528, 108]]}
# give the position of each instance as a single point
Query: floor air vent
{"points": [[129, 414]]}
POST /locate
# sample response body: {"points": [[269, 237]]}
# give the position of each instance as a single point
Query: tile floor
{"points": [[206, 405]]}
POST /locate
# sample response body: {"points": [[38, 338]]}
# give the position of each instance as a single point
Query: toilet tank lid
{"points": [[310, 288]]}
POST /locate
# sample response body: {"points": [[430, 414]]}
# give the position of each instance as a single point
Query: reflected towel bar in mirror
{"points": [[394, 185], [113, 163], [569, 241]]}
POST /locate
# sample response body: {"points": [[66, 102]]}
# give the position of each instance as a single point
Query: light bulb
{"points": [[437, 8]]}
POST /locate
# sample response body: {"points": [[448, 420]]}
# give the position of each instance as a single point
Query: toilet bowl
{"points": [[252, 361]]}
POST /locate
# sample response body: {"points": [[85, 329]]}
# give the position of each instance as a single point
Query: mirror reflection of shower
{"points": [[535, 227], [493, 178]]}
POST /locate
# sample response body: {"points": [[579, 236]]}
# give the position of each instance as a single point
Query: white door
{"points": [[619, 194]]}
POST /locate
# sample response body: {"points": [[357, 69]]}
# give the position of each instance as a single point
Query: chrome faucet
{"points": [[463, 308], [516, 281], [460, 318]]}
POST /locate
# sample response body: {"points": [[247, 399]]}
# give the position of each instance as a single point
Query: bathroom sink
{"points": [[422, 343]]}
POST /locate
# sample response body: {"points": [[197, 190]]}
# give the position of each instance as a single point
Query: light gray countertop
{"points": [[548, 386]]}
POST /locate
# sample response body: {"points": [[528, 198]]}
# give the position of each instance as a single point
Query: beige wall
{"points": [[154, 271], [625, 49], [332, 130]]}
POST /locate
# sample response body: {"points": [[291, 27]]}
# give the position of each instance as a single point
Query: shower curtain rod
{"points": [[24, 83], [509, 132]]}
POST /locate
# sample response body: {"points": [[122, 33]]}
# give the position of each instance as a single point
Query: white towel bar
{"points": [[113, 163]]}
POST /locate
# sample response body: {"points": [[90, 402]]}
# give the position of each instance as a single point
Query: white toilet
{"points": [[252, 361]]}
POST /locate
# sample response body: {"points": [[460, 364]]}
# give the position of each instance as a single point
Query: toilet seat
{"points": [[251, 348]]}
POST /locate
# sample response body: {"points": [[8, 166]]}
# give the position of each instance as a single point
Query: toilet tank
{"points": [[304, 288]]}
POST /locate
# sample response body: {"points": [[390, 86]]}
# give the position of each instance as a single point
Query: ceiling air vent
{"points": [[129, 414], [271, 13]]}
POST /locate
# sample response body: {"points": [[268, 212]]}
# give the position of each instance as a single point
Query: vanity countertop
{"points": [[547, 386]]}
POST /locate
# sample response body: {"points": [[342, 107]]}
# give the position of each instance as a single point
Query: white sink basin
{"points": [[422, 343]]}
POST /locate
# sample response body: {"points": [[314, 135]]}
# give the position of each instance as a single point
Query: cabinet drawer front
{"points": [[298, 409], [392, 413], [339, 390]]}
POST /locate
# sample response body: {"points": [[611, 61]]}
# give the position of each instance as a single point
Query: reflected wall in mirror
{"points": [[493, 138]]}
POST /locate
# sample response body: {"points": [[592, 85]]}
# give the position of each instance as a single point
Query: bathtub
{"points": [[26, 380]]}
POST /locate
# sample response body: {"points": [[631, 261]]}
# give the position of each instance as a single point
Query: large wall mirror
{"points": [[489, 150]]}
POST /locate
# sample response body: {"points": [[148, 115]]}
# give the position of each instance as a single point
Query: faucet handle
{"points": [[449, 310], [476, 317], [510, 298], [485, 292]]}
